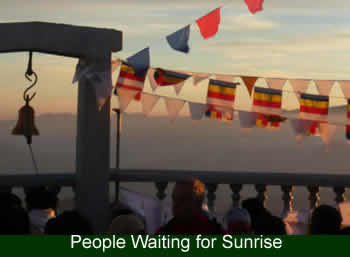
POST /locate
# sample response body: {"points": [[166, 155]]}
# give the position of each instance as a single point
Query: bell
{"points": [[25, 124]]}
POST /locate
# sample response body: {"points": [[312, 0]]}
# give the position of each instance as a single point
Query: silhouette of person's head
{"points": [[188, 197], [238, 221], [41, 198], [270, 225], [129, 224], [14, 220], [8, 199], [263, 222], [68, 223], [255, 207], [325, 219]]}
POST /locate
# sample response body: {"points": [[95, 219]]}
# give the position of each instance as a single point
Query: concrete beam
{"points": [[60, 39]]}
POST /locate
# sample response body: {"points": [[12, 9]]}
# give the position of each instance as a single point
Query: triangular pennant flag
{"points": [[299, 85], [275, 83], [99, 76], [102, 83], [173, 106], [254, 5], [199, 77], [324, 86], [197, 110], [140, 62], [179, 39], [115, 64], [224, 77], [209, 24], [125, 97], [81, 69], [249, 83], [148, 102], [151, 79], [178, 87], [327, 132], [345, 87]]}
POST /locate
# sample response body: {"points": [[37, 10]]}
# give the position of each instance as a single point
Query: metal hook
{"points": [[29, 73]]}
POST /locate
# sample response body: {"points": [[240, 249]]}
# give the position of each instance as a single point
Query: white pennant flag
{"points": [[115, 64], [299, 85], [148, 102], [125, 97], [98, 77], [178, 87], [103, 87], [150, 75], [345, 86], [327, 132], [275, 83], [199, 77], [197, 110], [324, 86], [173, 106]]}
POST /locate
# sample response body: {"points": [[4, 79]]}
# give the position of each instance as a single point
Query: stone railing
{"points": [[236, 180]]}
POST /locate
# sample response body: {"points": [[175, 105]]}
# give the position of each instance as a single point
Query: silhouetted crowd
{"points": [[189, 217]]}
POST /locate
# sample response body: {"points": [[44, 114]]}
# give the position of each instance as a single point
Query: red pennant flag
{"points": [[249, 83], [254, 5], [209, 24]]}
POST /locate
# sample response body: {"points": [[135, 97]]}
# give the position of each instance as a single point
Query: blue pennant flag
{"points": [[140, 62], [179, 39]]}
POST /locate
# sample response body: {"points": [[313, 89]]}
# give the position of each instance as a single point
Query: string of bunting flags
{"points": [[266, 109], [208, 26]]}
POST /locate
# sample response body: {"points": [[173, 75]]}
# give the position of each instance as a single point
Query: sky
{"points": [[289, 39]]}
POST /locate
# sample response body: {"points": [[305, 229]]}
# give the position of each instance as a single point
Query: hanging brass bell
{"points": [[25, 125]]}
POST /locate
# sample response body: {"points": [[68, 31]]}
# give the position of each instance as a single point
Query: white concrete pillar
{"points": [[93, 158]]}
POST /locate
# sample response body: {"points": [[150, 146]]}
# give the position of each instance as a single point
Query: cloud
{"points": [[247, 22]]}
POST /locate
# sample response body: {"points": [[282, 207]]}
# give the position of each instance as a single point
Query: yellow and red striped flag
{"points": [[220, 99], [314, 107], [267, 100], [129, 80]]}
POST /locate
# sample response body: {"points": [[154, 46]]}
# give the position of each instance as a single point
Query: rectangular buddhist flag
{"points": [[314, 107], [129, 80], [267, 100], [220, 99], [221, 93], [169, 78]]}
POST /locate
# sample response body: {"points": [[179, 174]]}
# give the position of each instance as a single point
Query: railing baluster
{"points": [[236, 196], [340, 194], [287, 198], [211, 196], [261, 192], [161, 186], [314, 195]]}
